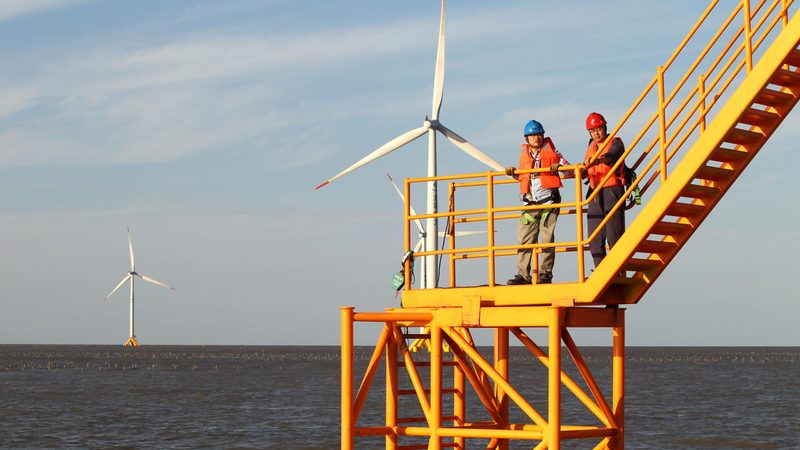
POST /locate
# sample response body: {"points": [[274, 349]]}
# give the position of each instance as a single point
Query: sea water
{"points": [[163, 397]]}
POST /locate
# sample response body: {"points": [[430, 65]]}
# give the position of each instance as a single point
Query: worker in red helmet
{"points": [[537, 189], [608, 192]]}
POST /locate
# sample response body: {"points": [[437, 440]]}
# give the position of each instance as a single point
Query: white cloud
{"points": [[10, 9]]}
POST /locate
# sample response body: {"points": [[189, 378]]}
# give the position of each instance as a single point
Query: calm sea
{"points": [[162, 397]]}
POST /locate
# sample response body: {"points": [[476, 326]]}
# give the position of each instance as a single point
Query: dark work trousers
{"points": [[597, 210]]}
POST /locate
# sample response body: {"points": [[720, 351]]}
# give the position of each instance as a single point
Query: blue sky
{"points": [[205, 125]]}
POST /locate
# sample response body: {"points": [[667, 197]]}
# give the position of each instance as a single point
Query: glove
{"points": [[526, 198], [510, 171], [554, 168]]}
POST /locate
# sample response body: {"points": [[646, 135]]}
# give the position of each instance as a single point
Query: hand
{"points": [[554, 168], [526, 198], [510, 171]]}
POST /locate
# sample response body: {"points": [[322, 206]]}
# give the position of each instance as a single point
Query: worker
{"points": [[537, 189], [610, 192]]}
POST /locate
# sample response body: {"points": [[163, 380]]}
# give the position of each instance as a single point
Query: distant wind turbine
{"points": [[131, 276], [430, 126]]}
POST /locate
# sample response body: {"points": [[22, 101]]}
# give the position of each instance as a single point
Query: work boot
{"points": [[545, 278], [518, 279]]}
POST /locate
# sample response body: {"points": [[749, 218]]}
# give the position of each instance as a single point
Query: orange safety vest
{"points": [[548, 157], [599, 170]]}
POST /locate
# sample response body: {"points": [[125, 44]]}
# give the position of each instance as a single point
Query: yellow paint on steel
{"points": [[132, 342], [347, 378], [490, 229], [618, 379], [501, 365], [372, 369], [748, 45], [554, 378], [391, 389], [605, 414], [451, 196], [512, 393], [708, 138], [595, 408]]}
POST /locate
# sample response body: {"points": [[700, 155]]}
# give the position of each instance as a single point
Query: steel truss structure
{"points": [[490, 381], [692, 148]]}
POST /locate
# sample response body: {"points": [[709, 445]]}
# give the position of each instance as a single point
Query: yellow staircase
{"points": [[701, 138], [704, 174]]}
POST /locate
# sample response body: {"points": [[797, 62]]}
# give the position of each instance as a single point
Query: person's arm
{"points": [[614, 153], [561, 162]]}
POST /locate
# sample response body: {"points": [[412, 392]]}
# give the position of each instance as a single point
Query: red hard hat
{"points": [[595, 120]]}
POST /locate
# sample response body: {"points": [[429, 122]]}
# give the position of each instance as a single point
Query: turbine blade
{"points": [[388, 147], [403, 199], [124, 279], [154, 281], [419, 245], [438, 78], [470, 149], [130, 250], [462, 233]]}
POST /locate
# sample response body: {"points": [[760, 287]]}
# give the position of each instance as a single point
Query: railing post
{"points": [[579, 226], [748, 44], [785, 12], [490, 225], [347, 377], [451, 192], [391, 387], [701, 92], [407, 233], [662, 125]]}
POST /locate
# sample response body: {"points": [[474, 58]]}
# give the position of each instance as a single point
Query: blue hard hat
{"points": [[533, 127]]}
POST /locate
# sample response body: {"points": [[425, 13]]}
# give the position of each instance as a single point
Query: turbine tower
{"points": [[132, 274], [430, 126]]}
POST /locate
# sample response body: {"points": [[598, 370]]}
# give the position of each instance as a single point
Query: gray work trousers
{"points": [[529, 233], [612, 231]]}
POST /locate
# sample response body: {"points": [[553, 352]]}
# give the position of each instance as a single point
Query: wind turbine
{"points": [[132, 274], [430, 126]]}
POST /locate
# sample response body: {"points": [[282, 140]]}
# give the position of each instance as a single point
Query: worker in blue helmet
{"points": [[541, 188]]}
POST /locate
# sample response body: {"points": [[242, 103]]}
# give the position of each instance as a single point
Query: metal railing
{"points": [[676, 122]]}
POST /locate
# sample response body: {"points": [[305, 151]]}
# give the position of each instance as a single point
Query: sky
{"points": [[206, 125]]}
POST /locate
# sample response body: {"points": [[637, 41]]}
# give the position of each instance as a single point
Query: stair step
{"points": [[728, 155], [759, 118], [714, 173], [700, 191], [771, 97], [794, 58], [638, 264], [685, 210], [657, 247], [671, 228], [787, 78], [742, 137]]}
